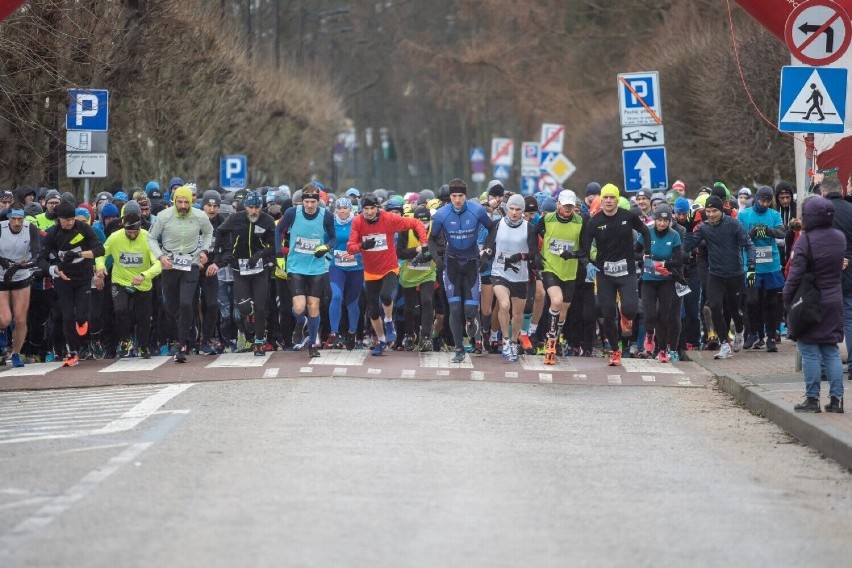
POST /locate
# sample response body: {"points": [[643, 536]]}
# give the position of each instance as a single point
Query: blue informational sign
{"points": [[502, 172], [546, 157], [813, 99], [529, 185], [477, 154], [88, 109], [645, 168], [233, 172]]}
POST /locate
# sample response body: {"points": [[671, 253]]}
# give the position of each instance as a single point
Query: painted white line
{"points": [[580, 377], [135, 364], [614, 379], [545, 377], [536, 363], [270, 373], [142, 410], [33, 369], [341, 357], [649, 366], [238, 360], [442, 373], [306, 369], [408, 373], [374, 371], [340, 371], [511, 374], [442, 360], [477, 376], [649, 378]]}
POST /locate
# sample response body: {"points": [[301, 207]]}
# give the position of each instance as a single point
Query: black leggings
{"points": [[179, 288], [383, 289], [210, 306], [142, 308], [74, 300], [723, 296], [763, 311], [657, 300], [250, 294], [422, 295], [625, 286]]}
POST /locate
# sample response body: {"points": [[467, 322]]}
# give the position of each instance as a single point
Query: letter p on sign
{"points": [[233, 167], [83, 109]]}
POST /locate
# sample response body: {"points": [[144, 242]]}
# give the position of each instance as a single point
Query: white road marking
{"points": [[511, 374], [341, 357], [649, 378], [408, 373], [614, 379], [580, 377], [238, 360], [340, 371], [270, 373], [374, 371], [649, 366], [134, 364], [442, 360], [477, 376], [33, 369], [545, 377], [442, 373], [306, 369]]}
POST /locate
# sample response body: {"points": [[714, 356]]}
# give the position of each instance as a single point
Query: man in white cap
{"points": [[513, 245], [561, 255]]}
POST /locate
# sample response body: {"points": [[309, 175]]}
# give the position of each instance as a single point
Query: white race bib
{"points": [[381, 241], [182, 262], [556, 246], [617, 268], [762, 255], [243, 264], [338, 260], [681, 289], [130, 259], [307, 246]]}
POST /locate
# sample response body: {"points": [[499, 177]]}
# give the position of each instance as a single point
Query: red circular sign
{"points": [[547, 183], [818, 32]]}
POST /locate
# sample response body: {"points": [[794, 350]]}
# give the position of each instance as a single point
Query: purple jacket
{"points": [[827, 247]]}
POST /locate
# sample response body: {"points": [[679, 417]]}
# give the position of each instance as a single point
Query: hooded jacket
{"points": [[824, 258]]}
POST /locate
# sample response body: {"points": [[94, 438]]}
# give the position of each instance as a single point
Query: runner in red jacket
{"points": [[372, 235]]}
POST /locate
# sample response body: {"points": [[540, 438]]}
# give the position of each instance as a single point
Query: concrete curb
{"points": [[811, 429]]}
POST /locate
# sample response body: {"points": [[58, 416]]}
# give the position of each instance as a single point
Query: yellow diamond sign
{"points": [[560, 167]]}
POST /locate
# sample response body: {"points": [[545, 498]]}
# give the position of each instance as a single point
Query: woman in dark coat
{"points": [[825, 258]]}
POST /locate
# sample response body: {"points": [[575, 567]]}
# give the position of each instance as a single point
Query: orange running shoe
{"points": [[71, 360], [82, 328], [626, 326], [615, 358], [526, 344]]}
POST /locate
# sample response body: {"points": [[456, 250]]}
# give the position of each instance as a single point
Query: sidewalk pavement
{"points": [[768, 385]]}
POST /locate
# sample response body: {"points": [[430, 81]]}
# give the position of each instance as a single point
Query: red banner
{"points": [[8, 6]]}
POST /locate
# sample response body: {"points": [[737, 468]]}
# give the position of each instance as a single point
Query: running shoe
{"points": [[477, 347], [771, 346], [409, 342], [312, 351], [459, 356], [257, 348], [674, 356], [471, 327], [760, 344], [525, 342], [350, 340], [299, 334], [82, 328], [390, 332], [379, 348], [663, 356], [206, 348], [16, 360], [71, 360], [50, 357], [144, 353], [738, 341], [98, 351], [626, 326], [124, 349], [615, 358], [180, 356], [514, 347], [725, 352], [507, 351], [330, 341], [649, 342], [712, 341], [750, 340]]}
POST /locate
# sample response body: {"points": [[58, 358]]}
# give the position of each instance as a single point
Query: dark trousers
{"points": [[723, 295], [179, 288], [132, 309], [74, 299]]}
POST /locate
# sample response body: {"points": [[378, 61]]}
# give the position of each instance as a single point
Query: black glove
{"points": [[10, 272], [368, 243], [255, 258], [423, 257], [71, 255], [510, 261], [225, 259], [5, 262], [567, 254]]}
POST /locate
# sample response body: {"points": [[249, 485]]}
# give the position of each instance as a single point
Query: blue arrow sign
{"points": [[88, 109], [233, 171], [645, 168], [529, 185], [813, 99]]}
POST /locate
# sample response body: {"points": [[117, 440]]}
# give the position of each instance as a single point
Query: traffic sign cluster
{"points": [[642, 135]]}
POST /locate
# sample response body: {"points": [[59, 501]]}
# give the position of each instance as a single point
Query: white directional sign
{"points": [[640, 136], [561, 168], [552, 137], [530, 152], [818, 32], [645, 168], [639, 98], [502, 151], [813, 99], [82, 165]]}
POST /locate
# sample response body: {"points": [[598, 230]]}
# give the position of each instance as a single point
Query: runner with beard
{"points": [[181, 239], [373, 234], [19, 247], [247, 241]]}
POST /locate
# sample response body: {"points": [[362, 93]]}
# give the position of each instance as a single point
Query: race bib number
{"points": [[423, 267], [243, 264], [338, 260], [762, 255], [130, 259], [557, 246], [381, 241], [681, 289], [307, 246], [75, 249], [182, 262], [617, 268], [259, 230]]}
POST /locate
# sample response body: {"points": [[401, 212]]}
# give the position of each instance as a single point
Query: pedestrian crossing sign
{"points": [[813, 99]]}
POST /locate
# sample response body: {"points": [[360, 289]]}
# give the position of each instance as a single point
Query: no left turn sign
{"points": [[818, 32]]}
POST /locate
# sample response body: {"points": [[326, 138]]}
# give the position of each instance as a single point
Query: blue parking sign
{"points": [[233, 172], [88, 109]]}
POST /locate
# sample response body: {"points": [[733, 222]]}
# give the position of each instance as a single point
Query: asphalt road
{"points": [[360, 472]]}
